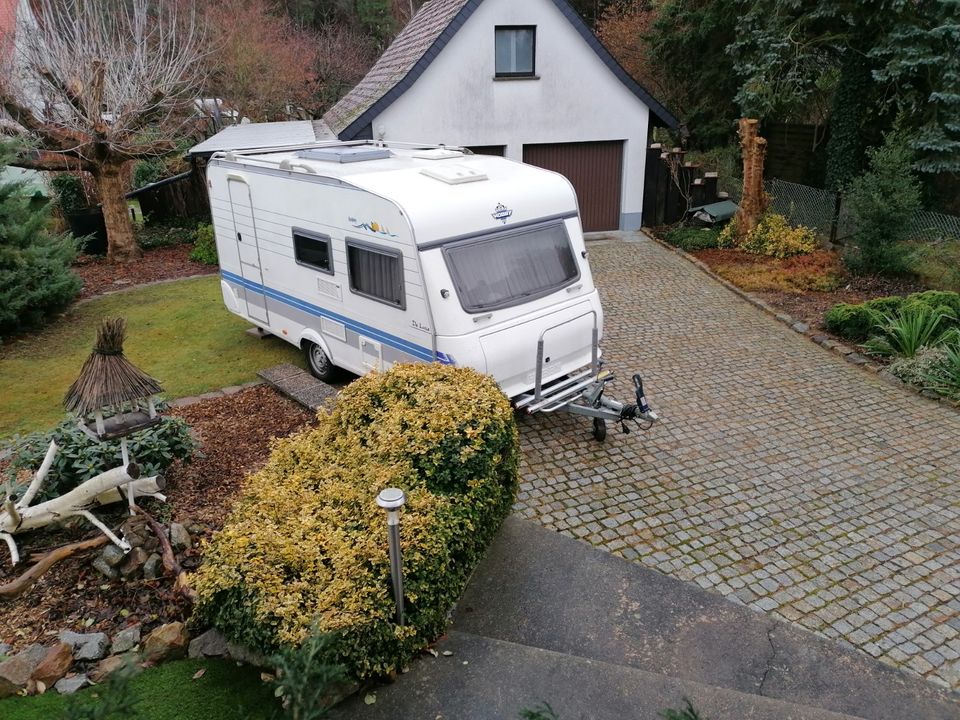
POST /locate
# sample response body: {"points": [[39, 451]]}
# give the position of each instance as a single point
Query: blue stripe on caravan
{"points": [[373, 333]]}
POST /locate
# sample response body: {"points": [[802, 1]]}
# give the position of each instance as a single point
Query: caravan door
{"points": [[245, 232]]}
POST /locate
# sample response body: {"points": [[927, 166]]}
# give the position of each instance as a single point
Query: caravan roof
{"points": [[444, 191]]}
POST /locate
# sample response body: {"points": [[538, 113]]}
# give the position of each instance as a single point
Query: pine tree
{"points": [[35, 275]]}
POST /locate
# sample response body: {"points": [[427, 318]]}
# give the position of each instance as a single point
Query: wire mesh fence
{"points": [[816, 208]]}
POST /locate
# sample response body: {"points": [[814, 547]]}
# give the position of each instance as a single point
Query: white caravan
{"points": [[367, 254]]}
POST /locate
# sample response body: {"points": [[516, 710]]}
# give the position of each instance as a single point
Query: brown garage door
{"points": [[595, 169]]}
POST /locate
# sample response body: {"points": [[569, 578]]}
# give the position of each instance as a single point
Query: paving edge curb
{"points": [[822, 339]]}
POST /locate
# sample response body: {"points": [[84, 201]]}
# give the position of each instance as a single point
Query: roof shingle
{"points": [[399, 59]]}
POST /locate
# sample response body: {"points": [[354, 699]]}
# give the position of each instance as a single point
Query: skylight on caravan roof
{"points": [[440, 153], [349, 154], [454, 174]]}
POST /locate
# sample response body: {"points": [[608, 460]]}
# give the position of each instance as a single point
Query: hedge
{"points": [[858, 322], [304, 549]]}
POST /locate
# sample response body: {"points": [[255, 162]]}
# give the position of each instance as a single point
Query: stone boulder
{"points": [[69, 685], [109, 665], [86, 646], [15, 672], [54, 665], [209, 644], [126, 639], [167, 642]]}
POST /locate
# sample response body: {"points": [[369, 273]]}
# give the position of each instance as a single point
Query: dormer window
{"points": [[516, 50]]}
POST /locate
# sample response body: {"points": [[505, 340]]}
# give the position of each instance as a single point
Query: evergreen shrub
{"points": [[35, 276], [80, 458], [304, 549]]}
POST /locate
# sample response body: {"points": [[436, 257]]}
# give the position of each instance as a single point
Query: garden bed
{"points": [[804, 287], [235, 433], [101, 276]]}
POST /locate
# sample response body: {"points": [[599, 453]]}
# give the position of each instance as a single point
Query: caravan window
{"points": [[512, 267], [313, 250], [376, 273]]}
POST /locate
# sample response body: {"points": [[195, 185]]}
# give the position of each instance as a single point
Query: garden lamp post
{"points": [[391, 500]]}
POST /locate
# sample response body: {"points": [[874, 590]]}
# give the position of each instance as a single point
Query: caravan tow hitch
{"points": [[601, 408], [584, 395]]}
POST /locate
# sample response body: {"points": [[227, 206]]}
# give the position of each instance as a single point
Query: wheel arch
{"points": [[309, 335]]}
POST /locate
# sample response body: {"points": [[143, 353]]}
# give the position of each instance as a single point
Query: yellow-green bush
{"points": [[774, 237], [305, 545]]}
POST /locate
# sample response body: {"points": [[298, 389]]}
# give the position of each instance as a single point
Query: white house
{"points": [[528, 80]]}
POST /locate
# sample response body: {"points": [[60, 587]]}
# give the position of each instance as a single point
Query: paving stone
{"points": [[780, 458]]}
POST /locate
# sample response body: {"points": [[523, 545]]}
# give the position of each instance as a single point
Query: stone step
{"points": [[540, 589], [483, 679], [298, 385]]}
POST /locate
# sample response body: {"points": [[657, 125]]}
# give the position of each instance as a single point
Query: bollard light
{"points": [[391, 500]]}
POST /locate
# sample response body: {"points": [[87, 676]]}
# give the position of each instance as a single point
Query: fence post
{"points": [[835, 222]]}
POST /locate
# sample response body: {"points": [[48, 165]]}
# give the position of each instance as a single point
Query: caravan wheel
{"points": [[320, 365]]}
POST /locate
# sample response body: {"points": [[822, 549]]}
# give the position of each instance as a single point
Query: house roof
{"points": [[250, 136], [416, 47]]}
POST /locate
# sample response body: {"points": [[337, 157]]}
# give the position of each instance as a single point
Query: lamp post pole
{"points": [[391, 500]]}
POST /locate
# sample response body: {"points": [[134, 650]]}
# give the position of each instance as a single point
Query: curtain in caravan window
{"points": [[511, 268], [376, 274]]}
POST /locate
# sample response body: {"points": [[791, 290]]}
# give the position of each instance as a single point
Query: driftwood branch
{"points": [[41, 475], [16, 587], [169, 559]]}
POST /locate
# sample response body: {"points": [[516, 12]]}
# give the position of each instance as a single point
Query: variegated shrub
{"points": [[305, 546]]}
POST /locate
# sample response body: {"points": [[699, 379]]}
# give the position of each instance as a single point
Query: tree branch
{"points": [[52, 161], [22, 583]]}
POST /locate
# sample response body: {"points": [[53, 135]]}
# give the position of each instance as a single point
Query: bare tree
{"points": [[96, 84]]}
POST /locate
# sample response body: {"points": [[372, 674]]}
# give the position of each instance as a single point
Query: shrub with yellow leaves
{"points": [[774, 237], [304, 549]]}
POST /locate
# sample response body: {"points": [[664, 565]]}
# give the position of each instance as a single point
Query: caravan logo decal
{"points": [[502, 213], [373, 227]]}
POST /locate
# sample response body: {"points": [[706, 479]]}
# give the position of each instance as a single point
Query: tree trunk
{"points": [[754, 201], [121, 245]]}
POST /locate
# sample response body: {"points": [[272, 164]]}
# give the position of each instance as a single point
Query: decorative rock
{"points": [[209, 644], [179, 537], [69, 685], [54, 666], [166, 642], [245, 655], [800, 327], [5, 649], [856, 359], [126, 639], [153, 567], [86, 646], [15, 673], [112, 555], [134, 562], [104, 568], [109, 665]]}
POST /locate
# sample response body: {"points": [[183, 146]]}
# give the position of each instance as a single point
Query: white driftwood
{"points": [[15, 519], [41, 475], [144, 487]]}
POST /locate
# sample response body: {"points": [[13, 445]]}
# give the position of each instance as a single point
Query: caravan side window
{"points": [[376, 273], [313, 250]]}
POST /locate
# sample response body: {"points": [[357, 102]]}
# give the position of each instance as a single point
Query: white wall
{"points": [[576, 98]]}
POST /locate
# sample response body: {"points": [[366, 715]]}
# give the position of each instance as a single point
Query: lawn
{"points": [[178, 332], [170, 692]]}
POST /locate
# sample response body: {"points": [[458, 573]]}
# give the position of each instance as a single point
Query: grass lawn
{"points": [[178, 332], [169, 692]]}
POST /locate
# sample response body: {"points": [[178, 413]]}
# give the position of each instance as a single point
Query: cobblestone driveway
{"points": [[780, 475]]}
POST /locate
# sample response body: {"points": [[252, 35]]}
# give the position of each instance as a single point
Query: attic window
{"points": [[516, 49]]}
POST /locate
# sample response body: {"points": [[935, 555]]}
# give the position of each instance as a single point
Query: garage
{"points": [[596, 171]]}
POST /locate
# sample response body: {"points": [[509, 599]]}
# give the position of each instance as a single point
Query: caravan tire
{"points": [[321, 367]]}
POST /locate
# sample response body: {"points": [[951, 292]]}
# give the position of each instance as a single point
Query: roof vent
{"points": [[440, 153], [348, 154], [454, 174]]}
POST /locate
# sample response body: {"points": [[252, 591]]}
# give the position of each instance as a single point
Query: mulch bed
{"points": [[807, 306], [101, 276], [235, 434]]}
